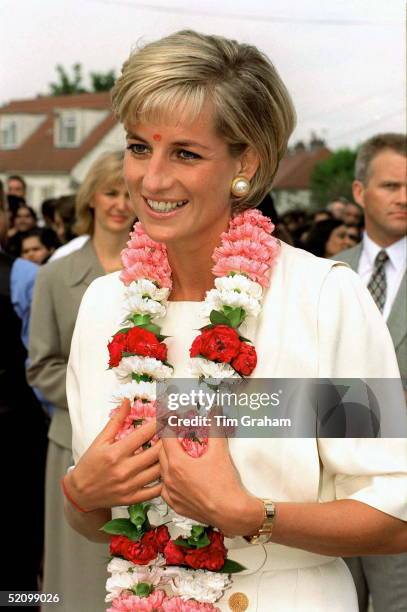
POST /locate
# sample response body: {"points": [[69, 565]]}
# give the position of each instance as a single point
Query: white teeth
{"points": [[165, 206]]}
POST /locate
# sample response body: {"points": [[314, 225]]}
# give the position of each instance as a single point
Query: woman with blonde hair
{"points": [[73, 566], [206, 291]]}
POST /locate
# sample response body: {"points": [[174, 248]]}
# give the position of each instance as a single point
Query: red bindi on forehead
{"points": [[157, 137]]}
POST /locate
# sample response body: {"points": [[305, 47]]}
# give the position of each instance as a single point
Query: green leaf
{"points": [[234, 315], [218, 318], [141, 319], [123, 330], [151, 327], [141, 377], [123, 527], [197, 531], [231, 567], [197, 539], [138, 514], [142, 589], [182, 542], [243, 339], [201, 542]]}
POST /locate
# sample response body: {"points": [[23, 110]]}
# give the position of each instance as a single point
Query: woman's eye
{"points": [[184, 154], [137, 148]]}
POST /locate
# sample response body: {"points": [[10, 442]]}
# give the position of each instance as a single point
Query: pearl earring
{"points": [[240, 186]]}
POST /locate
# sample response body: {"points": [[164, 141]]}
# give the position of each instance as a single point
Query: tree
{"points": [[333, 177], [68, 85], [102, 81]]}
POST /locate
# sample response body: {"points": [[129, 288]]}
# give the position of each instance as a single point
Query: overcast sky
{"points": [[342, 60]]}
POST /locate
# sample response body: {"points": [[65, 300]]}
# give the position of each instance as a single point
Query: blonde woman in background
{"points": [[73, 567]]}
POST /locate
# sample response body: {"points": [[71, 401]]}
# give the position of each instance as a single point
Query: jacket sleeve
{"points": [[47, 367], [355, 344]]}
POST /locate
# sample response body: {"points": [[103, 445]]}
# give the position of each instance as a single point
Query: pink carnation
{"points": [[257, 271], [131, 603], [246, 248], [177, 604], [140, 411], [194, 447], [144, 258], [254, 217]]}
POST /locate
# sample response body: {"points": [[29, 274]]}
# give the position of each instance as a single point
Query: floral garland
{"points": [[161, 560]]}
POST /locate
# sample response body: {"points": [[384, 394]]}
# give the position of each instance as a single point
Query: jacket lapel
{"points": [[85, 266], [398, 318]]}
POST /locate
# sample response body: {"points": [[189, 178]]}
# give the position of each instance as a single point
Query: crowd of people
{"points": [[75, 239]]}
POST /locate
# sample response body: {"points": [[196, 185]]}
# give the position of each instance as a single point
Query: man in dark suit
{"points": [[380, 259]]}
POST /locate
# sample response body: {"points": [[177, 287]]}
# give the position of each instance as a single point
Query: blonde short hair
{"points": [[184, 70], [105, 172]]}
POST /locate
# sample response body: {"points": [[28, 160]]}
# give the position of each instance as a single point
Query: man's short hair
{"points": [[17, 177], [372, 147]]}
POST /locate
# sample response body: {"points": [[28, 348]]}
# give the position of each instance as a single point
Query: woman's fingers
{"points": [[163, 459], [113, 425], [145, 459], [143, 495], [148, 476], [141, 435]]}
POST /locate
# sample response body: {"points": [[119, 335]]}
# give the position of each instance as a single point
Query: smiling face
{"points": [[179, 176], [383, 197], [113, 211]]}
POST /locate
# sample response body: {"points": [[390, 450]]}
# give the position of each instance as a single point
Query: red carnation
{"points": [[246, 360], [116, 347], [143, 342], [211, 557], [174, 555], [220, 343], [141, 552], [118, 544], [162, 538]]}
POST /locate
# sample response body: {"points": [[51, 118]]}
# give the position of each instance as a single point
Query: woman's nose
{"points": [[157, 177]]}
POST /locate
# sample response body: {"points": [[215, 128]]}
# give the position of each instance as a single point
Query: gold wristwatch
{"points": [[263, 535]]}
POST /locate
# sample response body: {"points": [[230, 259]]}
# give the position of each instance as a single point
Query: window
{"points": [[68, 131], [8, 135]]}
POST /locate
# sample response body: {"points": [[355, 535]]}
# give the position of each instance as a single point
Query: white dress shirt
{"points": [[394, 267]]}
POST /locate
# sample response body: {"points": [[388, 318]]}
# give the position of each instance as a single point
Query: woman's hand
{"points": [[208, 488], [110, 474]]}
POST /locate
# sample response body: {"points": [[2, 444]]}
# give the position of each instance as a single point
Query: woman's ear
{"points": [[250, 162]]}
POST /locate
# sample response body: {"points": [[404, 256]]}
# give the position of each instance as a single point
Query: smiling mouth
{"points": [[164, 206]]}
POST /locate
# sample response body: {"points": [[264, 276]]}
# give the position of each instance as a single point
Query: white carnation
{"points": [[146, 288], [125, 580], [117, 583], [141, 390], [142, 365], [215, 299], [180, 526], [240, 283], [208, 369], [119, 566], [143, 305], [158, 511], [201, 585]]}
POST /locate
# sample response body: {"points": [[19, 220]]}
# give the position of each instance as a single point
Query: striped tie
{"points": [[377, 284]]}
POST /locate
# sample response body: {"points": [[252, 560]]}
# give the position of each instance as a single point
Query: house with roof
{"points": [[51, 141], [292, 183]]}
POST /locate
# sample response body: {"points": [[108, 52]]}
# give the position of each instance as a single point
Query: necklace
{"points": [[156, 551]]}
